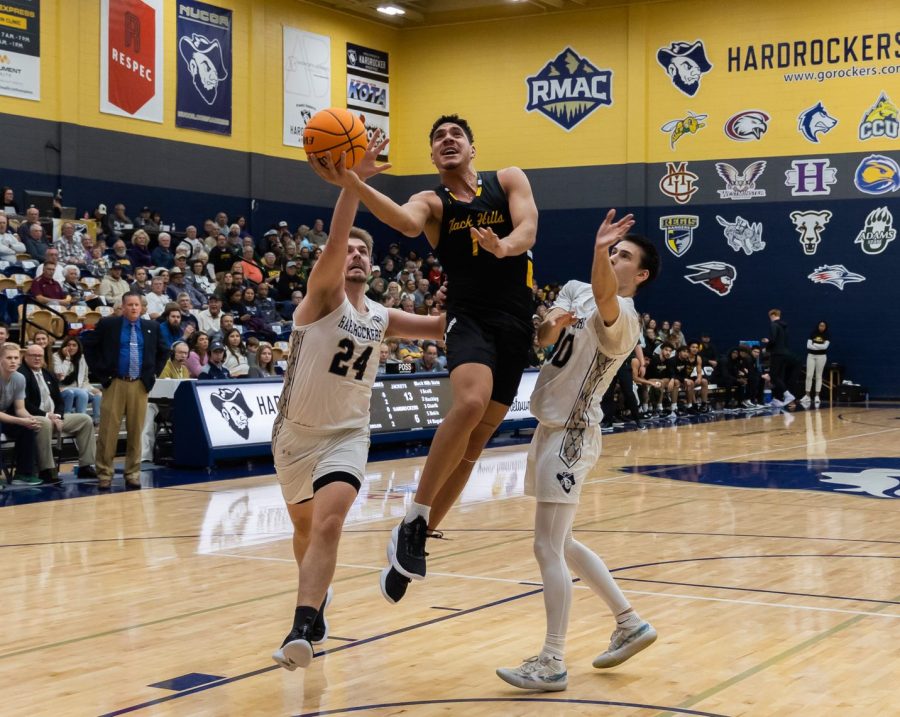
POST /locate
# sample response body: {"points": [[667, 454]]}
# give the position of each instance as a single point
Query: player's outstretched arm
{"points": [[523, 215], [552, 326], [413, 326], [603, 279]]}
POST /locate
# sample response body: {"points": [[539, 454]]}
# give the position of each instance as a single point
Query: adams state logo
{"points": [[877, 232], [568, 89]]}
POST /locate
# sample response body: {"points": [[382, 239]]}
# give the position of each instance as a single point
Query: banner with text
{"points": [[20, 49], [367, 88], [131, 58], [307, 80], [203, 98]]}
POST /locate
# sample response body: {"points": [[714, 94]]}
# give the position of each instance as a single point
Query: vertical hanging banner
{"points": [[20, 49], [203, 99], [307, 80], [131, 58], [367, 88]]}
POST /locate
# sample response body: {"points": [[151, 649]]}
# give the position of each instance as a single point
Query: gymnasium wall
{"points": [[612, 153]]}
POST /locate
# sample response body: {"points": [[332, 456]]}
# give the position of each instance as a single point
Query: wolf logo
{"points": [[810, 226], [881, 120], [876, 482], [747, 126], [679, 232], [877, 232], [685, 64], [741, 234], [205, 62], [568, 89], [717, 276], [232, 405], [877, 174], [680, 127], [835, 274], [815, 121], [566, 481], [741, 185]]}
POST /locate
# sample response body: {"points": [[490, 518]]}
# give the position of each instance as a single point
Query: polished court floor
{"points": [[765, 550]]}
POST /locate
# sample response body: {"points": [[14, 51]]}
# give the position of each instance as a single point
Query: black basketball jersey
{"points": [[480, 282]]}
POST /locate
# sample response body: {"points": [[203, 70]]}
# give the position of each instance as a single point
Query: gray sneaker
{"points": [[624, 644], [547, 675]]}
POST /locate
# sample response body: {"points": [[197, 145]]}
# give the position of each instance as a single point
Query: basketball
{"points": [[336, 130]]}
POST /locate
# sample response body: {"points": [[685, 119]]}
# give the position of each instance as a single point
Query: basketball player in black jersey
{"points": [[482, 226]]}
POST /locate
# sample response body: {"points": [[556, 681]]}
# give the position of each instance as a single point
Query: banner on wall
{"points": [[20, 49], [307, 80], [203, 98], [131, 58], [367, 88]]}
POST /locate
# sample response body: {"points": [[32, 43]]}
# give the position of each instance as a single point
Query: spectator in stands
{"points": [[222, 225], [215, 369], [190, 240], [676, 335], [265, 363], [286, 308], [113, 286], [685, 365], [236, 360], [237, 276], [211, 234], [52, 255], [198, 356], [187, 314], [317, 235], [119, 253], [4, 333], [266, 308], [176, 366], [37, 242], [15, 421], [422, 288], [733, 375], [154, 223], [222, 256], [141, 283], [103, 226], [143, 218], [208, 319], [69, 246], [139, 253], [44, 401], [100, 262], [70, 369], [651, 341], [200, 279], [47, 290], [32, 216], [162, 255], [9, 242], [407, 304], [78, 294], [428, 362], [10, 204], [119, 222], [178, 285], [226, 324], [377, 289], [708, 351], [270, 268], [157, 298], [170, 328], [288, 282], [699, 376], [252, 271], [816, 355], [661, 370], [663, 331]]}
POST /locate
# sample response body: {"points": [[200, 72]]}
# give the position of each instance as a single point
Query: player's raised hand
{"points": [[612, 231], [337, 174], [489, 241], [366, 167]]}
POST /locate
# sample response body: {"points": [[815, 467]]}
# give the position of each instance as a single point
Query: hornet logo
{"points": [[568, 89], [876, 482], [717, 276], [230, 403], [836, 275], [810, 226], [877, 174], [741, 185], [815, 121], [679, 232], [566, 481], [747, 126], [881, 120], [204, 61], [678, 182], [743, 235], [685, 64], [680, 127], [877, 232]]}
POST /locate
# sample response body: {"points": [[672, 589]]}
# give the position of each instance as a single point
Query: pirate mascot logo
{"points": [[230, 403], [204, 60]]}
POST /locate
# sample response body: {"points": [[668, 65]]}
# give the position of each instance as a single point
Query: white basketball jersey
{"points": [[331, 369], [585, 359]]}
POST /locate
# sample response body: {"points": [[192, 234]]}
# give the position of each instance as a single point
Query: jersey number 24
{"points": [[340, 364]]}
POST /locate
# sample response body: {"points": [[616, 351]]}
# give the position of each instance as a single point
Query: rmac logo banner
{"points": [[20, 49], [203, 99], [568, 89], [368, 90], [131, 58], [307, 81]]}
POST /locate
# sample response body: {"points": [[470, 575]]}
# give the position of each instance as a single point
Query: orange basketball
{"points": [[336, 130]]}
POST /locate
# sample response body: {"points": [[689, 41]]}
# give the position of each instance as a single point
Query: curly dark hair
{"points": [[453, 119]]}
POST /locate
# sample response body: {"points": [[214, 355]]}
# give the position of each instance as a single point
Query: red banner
{"points": [[131, 54]]}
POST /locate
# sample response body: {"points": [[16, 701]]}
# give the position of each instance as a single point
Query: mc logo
{"points": [[678, 182]]}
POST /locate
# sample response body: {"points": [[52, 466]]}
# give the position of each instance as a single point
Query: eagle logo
{"points": [[877, 174], [741, 185], [717, 276], [835, 274], [747, 126], [815, 121]]}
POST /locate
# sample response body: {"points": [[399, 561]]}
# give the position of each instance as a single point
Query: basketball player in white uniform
{"points": [[320, 440], [594, 328]]}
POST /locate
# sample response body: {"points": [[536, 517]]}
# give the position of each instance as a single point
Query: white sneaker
{"points": [[626, 643], [817, 402], [747, 403], [547, 675], [788, 397], [805, 401]]}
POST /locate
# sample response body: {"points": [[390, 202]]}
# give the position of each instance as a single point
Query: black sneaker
{"points": [[319, 631], [409, 553], [393, 585], [87, 472], [296, 650]]}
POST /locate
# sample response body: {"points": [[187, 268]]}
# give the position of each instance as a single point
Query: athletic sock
{"points": [[304, 614], [416, 510], [554, 646], [628, 620]]}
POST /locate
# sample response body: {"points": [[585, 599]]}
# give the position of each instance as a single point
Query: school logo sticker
{"points": [[680, 127], [741, 185], [877, 174], [747, 126], [881, 120], [204, 60], [742, 235], [679, 232], [815, 121], [810, 226], [717, 276], [568, 89], [678, 182], [232, 406], [835, 274], [566, 481], [877, 232], [810, 177], [685, 64]]}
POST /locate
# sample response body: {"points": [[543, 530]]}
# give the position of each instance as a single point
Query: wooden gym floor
{"points": [[765, 550]]}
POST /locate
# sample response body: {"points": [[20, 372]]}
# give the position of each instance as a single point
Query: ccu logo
{"points": [[717, 276], [810, 226], [881, 120], [678, 183], [747, 126], [568, 89], [815, 121], [877, 232], [679, 232], [685, 64], [232, 406], [835, 274], [877, 174]]}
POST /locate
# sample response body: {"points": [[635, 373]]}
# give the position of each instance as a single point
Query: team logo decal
{"points": [[679, 232], [678, 182], [680, 127], [747, 126], [836, 275], [232, 405], [568, 89], [810, 226], [810, 177], [204, 60], [742, 235], [815, 121], [566, 481], [877, 232], [881, 120], [685, 64], [717, 276], [874, 482], [741, 185], [877, 174]]}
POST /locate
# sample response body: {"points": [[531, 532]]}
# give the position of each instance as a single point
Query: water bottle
{"points": [[767, 395]]}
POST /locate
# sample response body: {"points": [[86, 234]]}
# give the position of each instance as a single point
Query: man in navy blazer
{"points": [[126, 353]]}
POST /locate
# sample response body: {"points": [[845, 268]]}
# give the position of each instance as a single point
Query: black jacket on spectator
{"points": [[778, 339], [33, 392], [101, 350]]}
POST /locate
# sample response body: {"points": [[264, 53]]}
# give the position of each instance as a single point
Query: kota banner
{"points": [[307, 80], [20, 49], [367, 88]]}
